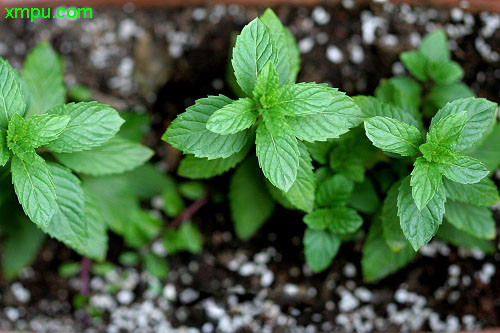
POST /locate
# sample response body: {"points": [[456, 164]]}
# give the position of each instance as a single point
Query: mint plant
{"points": [[276, 113], [43, 142]]}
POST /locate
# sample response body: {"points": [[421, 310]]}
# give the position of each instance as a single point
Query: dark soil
{"points": [[181, 55]]}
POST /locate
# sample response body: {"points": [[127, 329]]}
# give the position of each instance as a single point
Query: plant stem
{"points": [[85, 276], [189, 211]]}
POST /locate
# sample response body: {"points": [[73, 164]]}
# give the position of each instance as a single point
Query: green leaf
{"points": [[173, 204], [391, 227], [91, 125], [115, 156], [11, 94], [434, 153], [440, 94], [446, 131], [192, 190], [21, 244], [372, 107], [189, 133], [267, 82], [487, 151], [302, 99], [147, 181], [452, 235], [364, 197], [293, 54], [419, 226], [464, 169], [186, 238], [156, 266], [434, 47], [393, 136], [481, 115], [301, 194], [378, 259], [334, 191], [68, 224], [79, 93], [278, 34], [142, 228], [425, 181], [44, 76], [35, 189], [136, 125], [339, 220], [234, 117], [4, 149], [403, 92], [484, 193], [16, 133], [97, 242], [250, 202], [477, 221], [335, 119], [202, 168], [320, 247], [253, 49], [278, 157], [445, 72], [415, 63]]}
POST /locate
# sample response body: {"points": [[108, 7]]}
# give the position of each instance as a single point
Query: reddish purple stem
{"points": [[189, 211], [85, 276]]}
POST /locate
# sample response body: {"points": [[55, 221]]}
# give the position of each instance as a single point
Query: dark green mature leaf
{"points": [[136, 125], [488, 151], [4, 149], [364, 197], [11, 94], [334, 191], [393, 136], [68, 224], [320, 247], [416, 63], [452, 235], [339, 220], [446, 131], [189, 133], [477, 221], [391, 226], [440, 94], [378, 259], [253, 49], [44, 76], [481, 115], [148, 181], [464, 169], [337, 118], [372, 107], [301, 194], [233, 118], [267, 82], [35, 189], [278, 34], [426, 179], [250, 202], [434, 47], [278, 157], [91, 125], [115, 156], [445, 72], [483, 193], [419, 226]]}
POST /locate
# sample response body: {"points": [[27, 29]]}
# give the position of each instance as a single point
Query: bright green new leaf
{"points": [[267, 82], [393, 136], [253, 49], [278, 157], [44, 76], [477, 221], [434, 153], [481, 115], [234, 117], [320, 247], [35, 189], [68, 224], [189, 133], [445, 72], [449, 233], [426, 179], [391, 226], [249, 200], [419, 226], [339, 220], [434, 47], [447, 131], [115, 156], [334, 191], [11, 94], [415, 63], [91, 125], [483, 194], [301, 194], [464, 169]]}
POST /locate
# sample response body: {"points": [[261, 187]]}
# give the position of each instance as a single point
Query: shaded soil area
{"points": [[160, 61]]}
